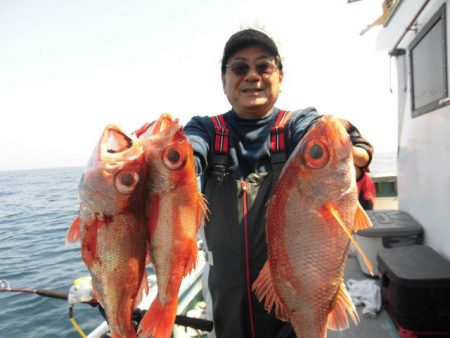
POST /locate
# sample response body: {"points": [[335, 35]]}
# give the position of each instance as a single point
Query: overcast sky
{"points": [[70, 67]]}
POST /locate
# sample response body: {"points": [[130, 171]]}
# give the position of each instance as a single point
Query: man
{"points": [[239, 156], [366, 190]]}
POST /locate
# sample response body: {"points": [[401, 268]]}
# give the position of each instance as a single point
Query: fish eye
{"points": [[126, 181], [173, 157], [315, 154]]}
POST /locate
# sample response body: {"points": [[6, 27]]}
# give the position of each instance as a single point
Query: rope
{"points": [[74, 323]]}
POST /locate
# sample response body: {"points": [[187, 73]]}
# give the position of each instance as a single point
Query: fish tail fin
{"points": [[115, 335], [73, 234], [337, 318], [362, 221], [264, 288], [158, 321]]}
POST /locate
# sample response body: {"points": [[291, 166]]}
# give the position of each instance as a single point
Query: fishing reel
{"points": [[81, 291], [4, 285]]}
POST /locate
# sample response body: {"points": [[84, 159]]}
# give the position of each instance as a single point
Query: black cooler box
{"points": [[391, 228], [415, 288]]}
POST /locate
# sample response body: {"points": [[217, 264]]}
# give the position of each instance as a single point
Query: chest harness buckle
{"points": [[219, 159]]}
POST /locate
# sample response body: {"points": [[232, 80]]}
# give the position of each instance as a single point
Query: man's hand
{"points": [[345, 123], [360, 157]]}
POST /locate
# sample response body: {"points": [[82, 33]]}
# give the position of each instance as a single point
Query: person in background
{"points": [[366, 189], [239, 156]]}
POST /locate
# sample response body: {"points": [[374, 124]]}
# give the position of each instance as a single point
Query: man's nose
{"points": [[252, 74]]}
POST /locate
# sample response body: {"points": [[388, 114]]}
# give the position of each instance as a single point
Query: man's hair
{"points": [[247, 38]]}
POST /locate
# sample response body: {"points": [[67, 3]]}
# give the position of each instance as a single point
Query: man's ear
{"points": [[281, 77], [224, 82]]}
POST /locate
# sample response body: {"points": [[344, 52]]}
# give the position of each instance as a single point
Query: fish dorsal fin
{"points": [[362, 221], [73, 234], [263, 288], [344, 227], [203, 214], [337, 318], [143, 290], [191, 261], [96, 296], [148, 259]]}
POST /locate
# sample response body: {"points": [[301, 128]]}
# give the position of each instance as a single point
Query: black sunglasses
{"points": [[241, 68]]}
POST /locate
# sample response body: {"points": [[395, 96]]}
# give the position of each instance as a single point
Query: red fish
{"points": [[175, 210], [310, 218], [112, 226]]}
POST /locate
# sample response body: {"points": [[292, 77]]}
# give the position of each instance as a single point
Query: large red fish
{"points": [[310, 218], [112, 226], [175, 210]]}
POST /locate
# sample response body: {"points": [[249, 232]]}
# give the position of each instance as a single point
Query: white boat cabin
{"points": [[415, 34]]}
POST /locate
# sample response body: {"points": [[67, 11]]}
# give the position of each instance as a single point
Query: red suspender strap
{"points": [[222, 135], [277, 143], [219, 157]]}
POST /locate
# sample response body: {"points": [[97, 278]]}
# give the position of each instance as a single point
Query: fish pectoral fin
{"points": [[337, 318], [362, 221], [344, 227], [264, 288], [89, 242], [73, 234]]}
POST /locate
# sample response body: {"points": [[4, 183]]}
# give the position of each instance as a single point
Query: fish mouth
{"points": [[116, 146], [165, 126]]}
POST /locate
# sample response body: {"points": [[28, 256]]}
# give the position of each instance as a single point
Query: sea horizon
{"points": [[382, 161]]}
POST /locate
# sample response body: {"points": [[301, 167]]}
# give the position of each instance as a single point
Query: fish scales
{"points": [[175, 209], [307, 246], [112, 226]]}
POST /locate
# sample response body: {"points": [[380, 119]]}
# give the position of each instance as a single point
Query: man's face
{"points": [[252, 93]]}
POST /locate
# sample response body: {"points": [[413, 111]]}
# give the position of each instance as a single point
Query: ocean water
{"points": [[36, 209], [384, 164]]}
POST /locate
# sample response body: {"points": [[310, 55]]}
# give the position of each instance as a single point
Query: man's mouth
{"points": [[252, 90]]}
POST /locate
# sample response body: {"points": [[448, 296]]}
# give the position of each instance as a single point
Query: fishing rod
{"points": [[5, 287], [81, 292], [73, 296]]}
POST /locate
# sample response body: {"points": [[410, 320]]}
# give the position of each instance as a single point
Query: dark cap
{"points": [[247, 38]]}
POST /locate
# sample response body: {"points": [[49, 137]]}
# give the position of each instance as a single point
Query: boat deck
{"points": [[386, 203], [379, 327]]}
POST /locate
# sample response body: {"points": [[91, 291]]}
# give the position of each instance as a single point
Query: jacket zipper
{"points": [[247, 258]]}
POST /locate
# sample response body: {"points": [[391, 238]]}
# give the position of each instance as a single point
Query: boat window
{"points": [[428, 61]]}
